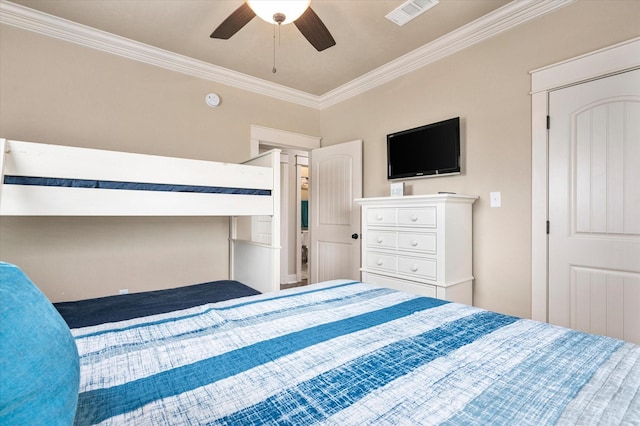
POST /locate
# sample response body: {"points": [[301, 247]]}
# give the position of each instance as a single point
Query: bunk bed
{"points": [[55, 180], [339, 352]]}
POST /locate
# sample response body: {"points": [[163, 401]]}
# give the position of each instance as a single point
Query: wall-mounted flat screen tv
{"points": [[431, 150]]}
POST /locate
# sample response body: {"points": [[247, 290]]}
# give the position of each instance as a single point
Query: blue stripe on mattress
{"points": [[132, 186], [219, 308], [100, 404], [547, 375], [335, 390], [153, 340], [290, 295]]}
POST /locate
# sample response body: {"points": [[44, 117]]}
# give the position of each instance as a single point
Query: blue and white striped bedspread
{"points": [[346, 353]]}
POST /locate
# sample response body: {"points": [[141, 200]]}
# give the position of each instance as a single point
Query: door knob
{"points": [[354, 236]]}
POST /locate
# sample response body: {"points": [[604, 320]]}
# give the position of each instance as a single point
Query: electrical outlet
{"points": [[495, 199], [123, 291]]}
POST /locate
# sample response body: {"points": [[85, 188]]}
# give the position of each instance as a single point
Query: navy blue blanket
{"points": [[84, 313]]}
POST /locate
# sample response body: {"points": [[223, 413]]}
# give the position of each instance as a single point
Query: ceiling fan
{"points": [[280, 13]]}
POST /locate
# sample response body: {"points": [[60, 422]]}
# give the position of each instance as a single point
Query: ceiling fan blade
{"points": [[314, 30], [234, 22]]}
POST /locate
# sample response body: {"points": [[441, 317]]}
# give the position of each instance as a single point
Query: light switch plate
{"points": [[495, 199]]}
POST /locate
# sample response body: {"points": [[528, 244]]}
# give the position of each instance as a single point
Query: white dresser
{"points": [[419, 244]]}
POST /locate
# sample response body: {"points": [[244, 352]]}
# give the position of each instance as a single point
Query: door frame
{"points": [[281, 138], [300, 162], [601, 63]]}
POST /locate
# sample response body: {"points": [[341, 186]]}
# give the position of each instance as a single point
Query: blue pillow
{"points": [[39, 365]]}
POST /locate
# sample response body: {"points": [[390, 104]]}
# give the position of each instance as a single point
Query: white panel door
{"points": [[336, 180], [594, 206]]}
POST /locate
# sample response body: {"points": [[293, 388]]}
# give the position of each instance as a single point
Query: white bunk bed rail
{"points": [[99, 183], [43, 161]]}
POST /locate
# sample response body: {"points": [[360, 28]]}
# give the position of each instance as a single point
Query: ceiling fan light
{"points": [[291, 9]]}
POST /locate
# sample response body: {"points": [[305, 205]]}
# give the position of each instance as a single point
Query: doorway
{"points": [[295, 182], [335, 180]]}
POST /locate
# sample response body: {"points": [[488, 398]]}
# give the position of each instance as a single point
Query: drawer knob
{"points": [[413, 218], [414, 268], [379, 240], [379, 217], [379, 262], [414, 243]]}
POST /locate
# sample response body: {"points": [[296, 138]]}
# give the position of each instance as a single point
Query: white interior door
{"points": [[336, 180], [594, 206]]}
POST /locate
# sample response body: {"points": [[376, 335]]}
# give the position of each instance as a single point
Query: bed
{"points": [[54, 180], [345, 353]]}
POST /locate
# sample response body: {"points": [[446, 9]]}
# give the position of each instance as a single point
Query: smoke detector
{"points": [[410, 10]]}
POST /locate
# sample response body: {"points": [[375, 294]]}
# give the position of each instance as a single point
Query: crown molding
{"points": [[509, 16], [492, 24], [42, 23]]}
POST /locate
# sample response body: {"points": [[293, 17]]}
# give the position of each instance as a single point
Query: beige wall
{"points": [[488, 86], [57, 92]]}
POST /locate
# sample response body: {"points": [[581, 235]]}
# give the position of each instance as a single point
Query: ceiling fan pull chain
{"points": [[273, 70]]}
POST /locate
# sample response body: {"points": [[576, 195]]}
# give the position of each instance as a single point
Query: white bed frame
{"points": [[55, 161]]}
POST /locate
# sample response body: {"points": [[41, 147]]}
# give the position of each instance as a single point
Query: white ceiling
{"points": [[365, 39]]}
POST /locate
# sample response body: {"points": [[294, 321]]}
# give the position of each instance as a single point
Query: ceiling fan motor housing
{"points": [[279, 18]]}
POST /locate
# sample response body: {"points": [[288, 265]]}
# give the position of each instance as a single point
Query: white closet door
{"points": [[594, 206]]}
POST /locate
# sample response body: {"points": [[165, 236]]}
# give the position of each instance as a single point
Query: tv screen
{"points": [[430, 150]]}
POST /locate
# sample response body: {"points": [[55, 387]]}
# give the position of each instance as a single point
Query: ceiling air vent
{"points": [[410, 10]]}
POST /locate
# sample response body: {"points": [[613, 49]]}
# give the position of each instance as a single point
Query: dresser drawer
{"points": [[424, 243], [382, 239], [420, 268], [381, 216], [425, 216], [382, 262]]}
